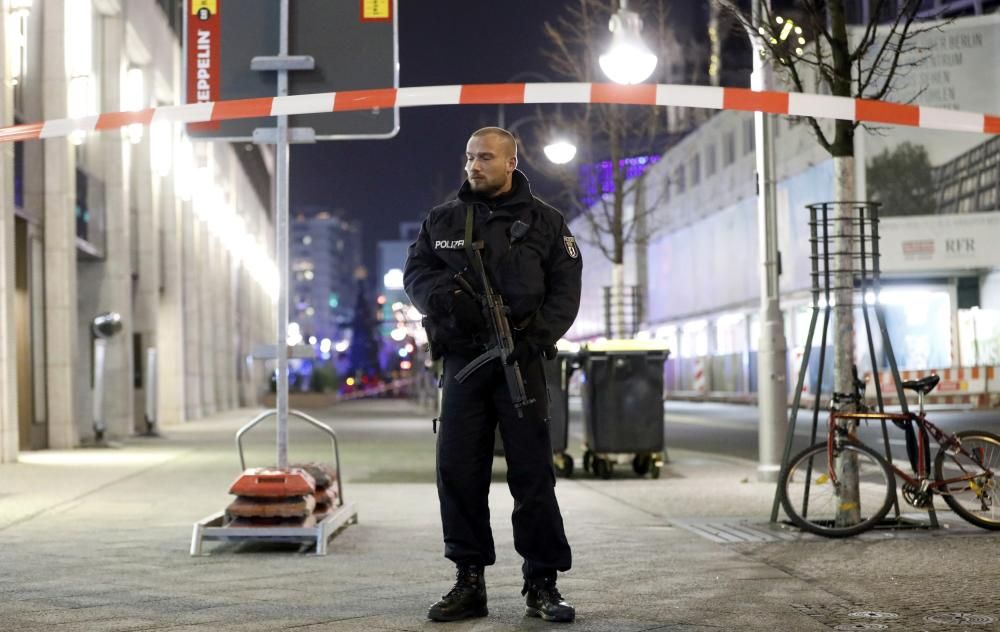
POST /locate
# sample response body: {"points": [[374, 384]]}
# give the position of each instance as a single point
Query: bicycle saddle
{"points": [[923, 385]]}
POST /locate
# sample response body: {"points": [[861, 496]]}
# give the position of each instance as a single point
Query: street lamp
{"points": [[772, 387], [519, 76], [629, 60], [560, 152]]}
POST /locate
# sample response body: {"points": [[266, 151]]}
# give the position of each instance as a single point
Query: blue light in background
{"points": [[596, 179]]}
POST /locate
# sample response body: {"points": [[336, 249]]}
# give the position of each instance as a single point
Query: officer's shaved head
{"points": [[506, 137], [490, 161]]}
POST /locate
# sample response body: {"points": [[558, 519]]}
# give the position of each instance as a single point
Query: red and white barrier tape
{"points": [[381, 389], [959, 385], [710, 97]]}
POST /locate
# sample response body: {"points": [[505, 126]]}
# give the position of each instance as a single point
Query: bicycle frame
{"points": [[837, 433]]}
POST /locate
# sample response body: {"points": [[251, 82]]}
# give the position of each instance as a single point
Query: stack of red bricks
{"points": [[300, 496], [326, 494]]}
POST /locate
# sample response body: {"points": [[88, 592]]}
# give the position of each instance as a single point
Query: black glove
{"points": [[467, 312], [524, 351]]}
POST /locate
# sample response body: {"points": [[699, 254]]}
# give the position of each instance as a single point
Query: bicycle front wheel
{"points": [[815, 503], [972, 489]]}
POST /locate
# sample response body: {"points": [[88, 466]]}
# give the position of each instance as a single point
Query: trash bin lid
{"points": [[626, 345], [566, 346]]}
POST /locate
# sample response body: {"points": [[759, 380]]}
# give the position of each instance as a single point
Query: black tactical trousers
{"points": [[469, 414]]}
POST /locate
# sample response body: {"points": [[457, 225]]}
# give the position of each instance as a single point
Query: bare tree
{"points": [[867, 68], [819, 56], [604, 133]]}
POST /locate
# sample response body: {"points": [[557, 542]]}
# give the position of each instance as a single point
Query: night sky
{"points": [[384, 182]]}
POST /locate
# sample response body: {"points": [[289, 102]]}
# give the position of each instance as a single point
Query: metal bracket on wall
{"points": [[282, 62]]}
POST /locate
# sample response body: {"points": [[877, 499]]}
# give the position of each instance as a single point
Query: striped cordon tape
{"points": [[789, 103]]}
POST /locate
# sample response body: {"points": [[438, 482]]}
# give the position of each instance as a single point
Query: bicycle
{"points": [[814, 490]]}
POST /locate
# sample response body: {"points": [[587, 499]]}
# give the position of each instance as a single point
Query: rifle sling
{"points": [[476, 261]]}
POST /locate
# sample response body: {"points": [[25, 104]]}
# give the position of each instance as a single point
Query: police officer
{"points": [[533, 262]]}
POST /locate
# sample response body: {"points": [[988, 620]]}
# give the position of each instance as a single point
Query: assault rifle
{"points": [[503, 340]]}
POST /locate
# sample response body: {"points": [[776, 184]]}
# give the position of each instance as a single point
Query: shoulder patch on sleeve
{"points": [[571, 250]]}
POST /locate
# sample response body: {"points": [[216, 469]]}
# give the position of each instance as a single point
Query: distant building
{"points": [[859, 11], [698, 267], [325, 255], [391, 256]]}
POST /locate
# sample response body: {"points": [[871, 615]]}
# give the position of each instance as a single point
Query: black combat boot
{"points": [[466, 600], [543, 600]]}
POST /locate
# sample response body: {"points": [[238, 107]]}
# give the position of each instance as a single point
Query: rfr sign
{"points": [[962, 246]]}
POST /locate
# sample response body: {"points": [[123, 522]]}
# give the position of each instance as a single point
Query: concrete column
{"points": [[170, 351], [211, 330], [221, 333], [8, 357], [61, 311], [106, 285], [230, 333], [245, 321], [265, 313], [256, 317], [223, 328], [191, 266], [268, 303], [206, 321], [147, 289]]}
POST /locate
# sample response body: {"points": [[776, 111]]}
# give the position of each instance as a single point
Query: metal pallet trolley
{"points": [[216, 526]]}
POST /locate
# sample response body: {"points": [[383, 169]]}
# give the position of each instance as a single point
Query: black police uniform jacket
{"points": [[536, 270]]}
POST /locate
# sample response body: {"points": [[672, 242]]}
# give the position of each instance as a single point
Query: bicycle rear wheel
{"points": [[812, 500], [976, 498]]}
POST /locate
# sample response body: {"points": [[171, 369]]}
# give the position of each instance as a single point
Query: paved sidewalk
{"points": [[97, 539]]}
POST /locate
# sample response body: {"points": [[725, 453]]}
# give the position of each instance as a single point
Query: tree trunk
{"points": [[848, 508]]}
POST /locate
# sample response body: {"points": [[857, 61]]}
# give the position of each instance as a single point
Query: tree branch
{"points": [[870, 31]]}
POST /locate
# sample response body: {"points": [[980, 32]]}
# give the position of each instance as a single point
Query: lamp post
{"points": [[560, 150], [772, 385], [525, 74], [629, 60]]}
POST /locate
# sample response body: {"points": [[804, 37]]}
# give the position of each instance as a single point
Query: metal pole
{"points": [[772, 387], [281, 178], [100, 355], [150, 387]]}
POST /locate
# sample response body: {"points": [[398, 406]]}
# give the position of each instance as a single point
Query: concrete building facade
{"points": [[699, 263], [173, 236]]}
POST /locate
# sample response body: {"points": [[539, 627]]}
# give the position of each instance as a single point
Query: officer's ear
{"points": [[511, 164]]}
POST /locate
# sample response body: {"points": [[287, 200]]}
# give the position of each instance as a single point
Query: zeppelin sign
{"points": [[203, 57], [352, 42]]}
